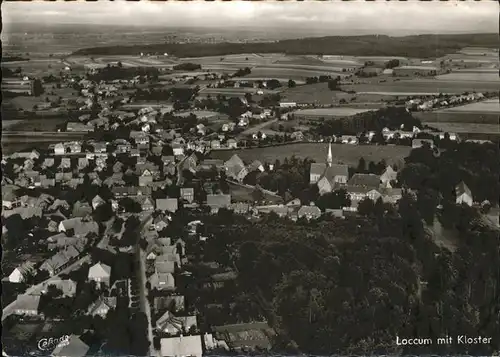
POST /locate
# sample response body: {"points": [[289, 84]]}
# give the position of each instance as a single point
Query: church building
{"points": [[328, 176]]}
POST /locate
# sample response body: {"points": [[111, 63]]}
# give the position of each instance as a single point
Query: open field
{"points": [[37, 67], [456, 117], [348, 154], [282, 80], [478, 76], [424, 86], [472, 128], [478, 51], [314, 93], [331, 112], [45, 124], [240, 193], [127, 61], [294, 73], [486, 106], [239, 92], [485, 112], [9, 123], [202, 114]]}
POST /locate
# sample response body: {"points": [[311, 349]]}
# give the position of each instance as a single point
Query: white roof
{"points": [[181, 346]]}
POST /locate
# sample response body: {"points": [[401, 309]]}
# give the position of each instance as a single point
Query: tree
{"points": [[257, 194], [130, 205], [37, 88], [333, 84], [291, 83], [361, 165], [366, 207], [103, 213], [334, 200], [392, 63], [427, 201]]}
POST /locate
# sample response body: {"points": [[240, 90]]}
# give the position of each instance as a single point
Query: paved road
{"points": [[141, 275], [10, 308]]}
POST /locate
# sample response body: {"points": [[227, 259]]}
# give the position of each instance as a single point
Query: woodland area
{"points": [[351, 286], [421, 46]]}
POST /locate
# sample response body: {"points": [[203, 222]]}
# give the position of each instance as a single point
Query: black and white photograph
{"points": [[250, 178]]}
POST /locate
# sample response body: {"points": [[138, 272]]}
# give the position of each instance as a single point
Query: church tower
{"points": [[329, 158]]}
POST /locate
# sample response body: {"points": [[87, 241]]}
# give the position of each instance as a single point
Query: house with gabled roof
{"points": [[388, 176], [174, 325], [358, 193], [171, 302], [102, 306], [100, 273], [145, 202], [73, 347], [365, 180], [187, 194], [59, 149], [80, 226], [215, 202], [20, 273], [182, 346], [60, 260], [83, 162], [27, 305], [97, 201], [167, 204], [162, 281], [139, 137], [67, 286], [65, 163], [463, 194], [309, 212], [48, 162], [145, 179]]}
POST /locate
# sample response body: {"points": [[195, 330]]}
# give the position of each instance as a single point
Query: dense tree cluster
{"points": [[187, 66], [391, 118], [110, 73], [291, 176], [351, 286], [478, 165], [422, 46], [242, 72], [392, 63]]}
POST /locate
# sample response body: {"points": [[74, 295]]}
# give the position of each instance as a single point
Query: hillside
{"points": [[422, 46]]}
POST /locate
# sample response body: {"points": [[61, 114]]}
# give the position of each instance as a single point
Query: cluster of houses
{"points": [[422, 104]]}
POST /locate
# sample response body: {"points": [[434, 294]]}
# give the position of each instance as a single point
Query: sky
{"points": [[377, 17]]}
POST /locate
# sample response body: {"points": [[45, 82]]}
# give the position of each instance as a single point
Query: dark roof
{"points": [[167, 204], [250, 335], [309, 210], [336, 170], [218, 200], [365, 180], [360, 189], [75, 347], [317, 168], [234, 161], [462, 188]]}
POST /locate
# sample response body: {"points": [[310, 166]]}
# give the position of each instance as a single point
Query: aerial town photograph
{"points": [[188, 179]]}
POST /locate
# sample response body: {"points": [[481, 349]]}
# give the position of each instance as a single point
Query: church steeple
{"points": [[329, 158]]}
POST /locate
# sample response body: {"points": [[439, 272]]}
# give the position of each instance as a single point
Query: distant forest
{"points": [[421, 46]]}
